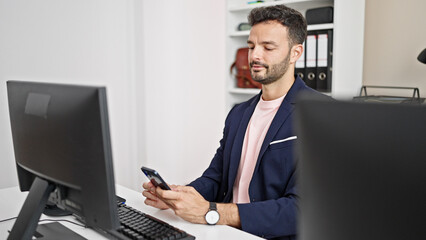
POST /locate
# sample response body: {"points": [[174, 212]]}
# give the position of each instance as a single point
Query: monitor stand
{"points": [[55, 230], [28, 218]]}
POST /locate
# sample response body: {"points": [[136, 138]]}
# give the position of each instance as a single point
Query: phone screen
{"points": [[155, 178]]}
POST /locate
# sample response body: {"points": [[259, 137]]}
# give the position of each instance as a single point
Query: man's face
{"points": [[269, 51]]}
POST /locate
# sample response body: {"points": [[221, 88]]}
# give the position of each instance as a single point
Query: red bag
{"points": [[243, 75]]}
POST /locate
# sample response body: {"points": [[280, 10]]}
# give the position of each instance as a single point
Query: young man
{"points": [[250, 183]]}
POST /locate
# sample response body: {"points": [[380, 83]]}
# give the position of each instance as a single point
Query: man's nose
{"points": [[255, 54]]}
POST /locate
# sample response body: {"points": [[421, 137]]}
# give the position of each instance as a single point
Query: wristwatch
{"points": [[212, 216]]}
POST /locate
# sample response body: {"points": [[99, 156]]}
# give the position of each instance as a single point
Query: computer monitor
{"points": [[361, 170], [62, 149]]}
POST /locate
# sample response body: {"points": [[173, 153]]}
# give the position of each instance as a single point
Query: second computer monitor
{"points": [[362, 170]]}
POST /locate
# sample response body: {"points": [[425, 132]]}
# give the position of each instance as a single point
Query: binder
{"points": [[300, 65], [311, 60], [324, 60]]}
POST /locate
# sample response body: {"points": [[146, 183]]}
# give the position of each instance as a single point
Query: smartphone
{"points": [[155, 178]]}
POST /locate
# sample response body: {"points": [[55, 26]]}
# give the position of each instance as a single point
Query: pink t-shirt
{"points": [[253, 139]]}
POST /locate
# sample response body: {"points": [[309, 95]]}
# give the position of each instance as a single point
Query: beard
{"points": [[273, 72]]}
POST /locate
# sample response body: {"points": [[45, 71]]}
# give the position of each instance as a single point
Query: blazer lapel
{"points": [[282, 115], [280, 118], [238, 142]]}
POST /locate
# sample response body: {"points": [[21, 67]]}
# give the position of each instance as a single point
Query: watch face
{"points": [[212, 217]]}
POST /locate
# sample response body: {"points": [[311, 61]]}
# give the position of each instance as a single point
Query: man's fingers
{"points": [[150, 202], [154, 201], [148, 185], [149, 195], [145, 185], [166, 194]]}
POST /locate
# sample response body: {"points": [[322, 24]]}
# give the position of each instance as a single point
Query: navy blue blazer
{"points": [[273, 207]]}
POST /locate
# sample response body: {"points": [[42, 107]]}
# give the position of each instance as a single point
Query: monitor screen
{"points": [[361, 170], [61, 136]]}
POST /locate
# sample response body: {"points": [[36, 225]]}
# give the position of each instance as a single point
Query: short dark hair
{"points": [[289, 17]]}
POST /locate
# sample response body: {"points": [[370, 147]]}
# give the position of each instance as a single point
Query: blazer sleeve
{"points": [[271, 218]]}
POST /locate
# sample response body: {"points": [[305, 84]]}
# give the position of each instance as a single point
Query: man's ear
{"points": [[296, 52]]}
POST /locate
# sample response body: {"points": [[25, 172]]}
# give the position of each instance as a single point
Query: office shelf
{"points": [[348, 34], [310, 28], [238, 6], [320, 26], [247, 91], [240, 33]]}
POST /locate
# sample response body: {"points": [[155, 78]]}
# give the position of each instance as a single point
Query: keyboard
{"points": [[137, 225]]}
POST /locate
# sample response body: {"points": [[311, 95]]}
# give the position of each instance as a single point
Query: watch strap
{"points": [[213, 206]]}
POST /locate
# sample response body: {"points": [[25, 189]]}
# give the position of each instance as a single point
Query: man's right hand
{"points": [[151, 196]]}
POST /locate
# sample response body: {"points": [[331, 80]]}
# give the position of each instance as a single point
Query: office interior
{"points": [[163, 63]]}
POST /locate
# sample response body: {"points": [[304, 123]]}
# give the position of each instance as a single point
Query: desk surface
{"points": [[11, 200]]}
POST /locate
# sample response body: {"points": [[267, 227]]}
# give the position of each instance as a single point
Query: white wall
{"points": [[165, 85], [348, 38], [184, 49], [394, 37], [83, 42]]}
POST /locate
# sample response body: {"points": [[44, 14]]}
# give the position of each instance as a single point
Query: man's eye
{"points": [[269, 49], [251, 47]]}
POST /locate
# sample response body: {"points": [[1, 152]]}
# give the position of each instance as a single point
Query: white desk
{"points": [[11, 200]]}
